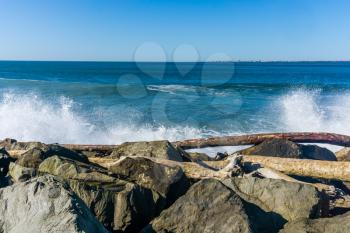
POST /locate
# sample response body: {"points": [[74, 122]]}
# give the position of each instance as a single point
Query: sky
{"points": [[182, 30]]}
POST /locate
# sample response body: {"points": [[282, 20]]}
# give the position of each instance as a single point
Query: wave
{"points": [[309, 110], [28, 117], [31, 117], [173, 89]]}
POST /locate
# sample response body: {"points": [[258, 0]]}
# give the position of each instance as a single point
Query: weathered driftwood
{"points": [[250, 139], [300, 167], [201, 170], [303, 137]]}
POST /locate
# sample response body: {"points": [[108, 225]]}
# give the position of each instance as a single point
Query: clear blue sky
{"points": [[113, 29]]}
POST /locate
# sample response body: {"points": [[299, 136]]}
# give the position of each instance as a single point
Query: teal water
{"points": [[106, 102]]}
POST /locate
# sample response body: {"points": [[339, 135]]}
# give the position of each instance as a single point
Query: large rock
{"points": [[118, 204], [337, 224], [44, 204], [33, 157], [71, 169], [169, 181], [286, 200], [5, 160], [196, 156], [123, 206], [19, 173], [208, 206], [288, 149], [158, 149]]}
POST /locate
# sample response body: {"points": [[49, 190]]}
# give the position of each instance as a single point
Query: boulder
{"points": [[343, 154], [71, 169], [33, 157], [157, 149], [35, 152], [288, 201], [208, 206], [5, 160], [337, 224], [19, 173], [196, 156], [287, 149], [44, 204], [119, 205], [123, 206], [169, 181]]}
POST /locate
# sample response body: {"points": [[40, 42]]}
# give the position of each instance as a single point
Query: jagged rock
{"points": [[287, 200], [208, 206], [135, 207], [5, 160], [118, 204], [337, 224], [37, 150], [343, 154], [122, 206], [158, 149], [169, 181], [196, 156], [44, 204], [288, 149], [70, 169], [20, 173]]}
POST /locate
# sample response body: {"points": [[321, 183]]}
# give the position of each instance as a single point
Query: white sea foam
{"points": [[29, 117], [308, 110]]}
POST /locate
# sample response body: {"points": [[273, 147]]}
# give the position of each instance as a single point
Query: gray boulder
{"points": [[122, 207], [208, 206], [168, 181], [157, 149], [46, 205], [196, 156], [19, 173], [119, 205], [71, 169], [288, 149], [287, 201], [337, 224]]}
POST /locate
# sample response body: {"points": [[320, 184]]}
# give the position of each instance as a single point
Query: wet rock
{"points": [[287, 200], [208, 206], [337, 224], [343, 154], [169, 181], [44, 204], [157, 149], [288, 149]]}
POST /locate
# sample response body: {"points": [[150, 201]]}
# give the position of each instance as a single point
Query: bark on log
{"points": [[302, 137], [250, 139]]}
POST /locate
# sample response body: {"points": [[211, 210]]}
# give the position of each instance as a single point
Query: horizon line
{"points": [[154, 61]]}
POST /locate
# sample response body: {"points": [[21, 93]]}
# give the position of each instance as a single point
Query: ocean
{"points": [[115, 102]]}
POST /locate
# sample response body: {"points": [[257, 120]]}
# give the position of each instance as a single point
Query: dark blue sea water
{"points": [[106, 102]]}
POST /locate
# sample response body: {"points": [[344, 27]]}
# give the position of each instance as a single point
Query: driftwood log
{"points": [[250, 139], [303, 137]]}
